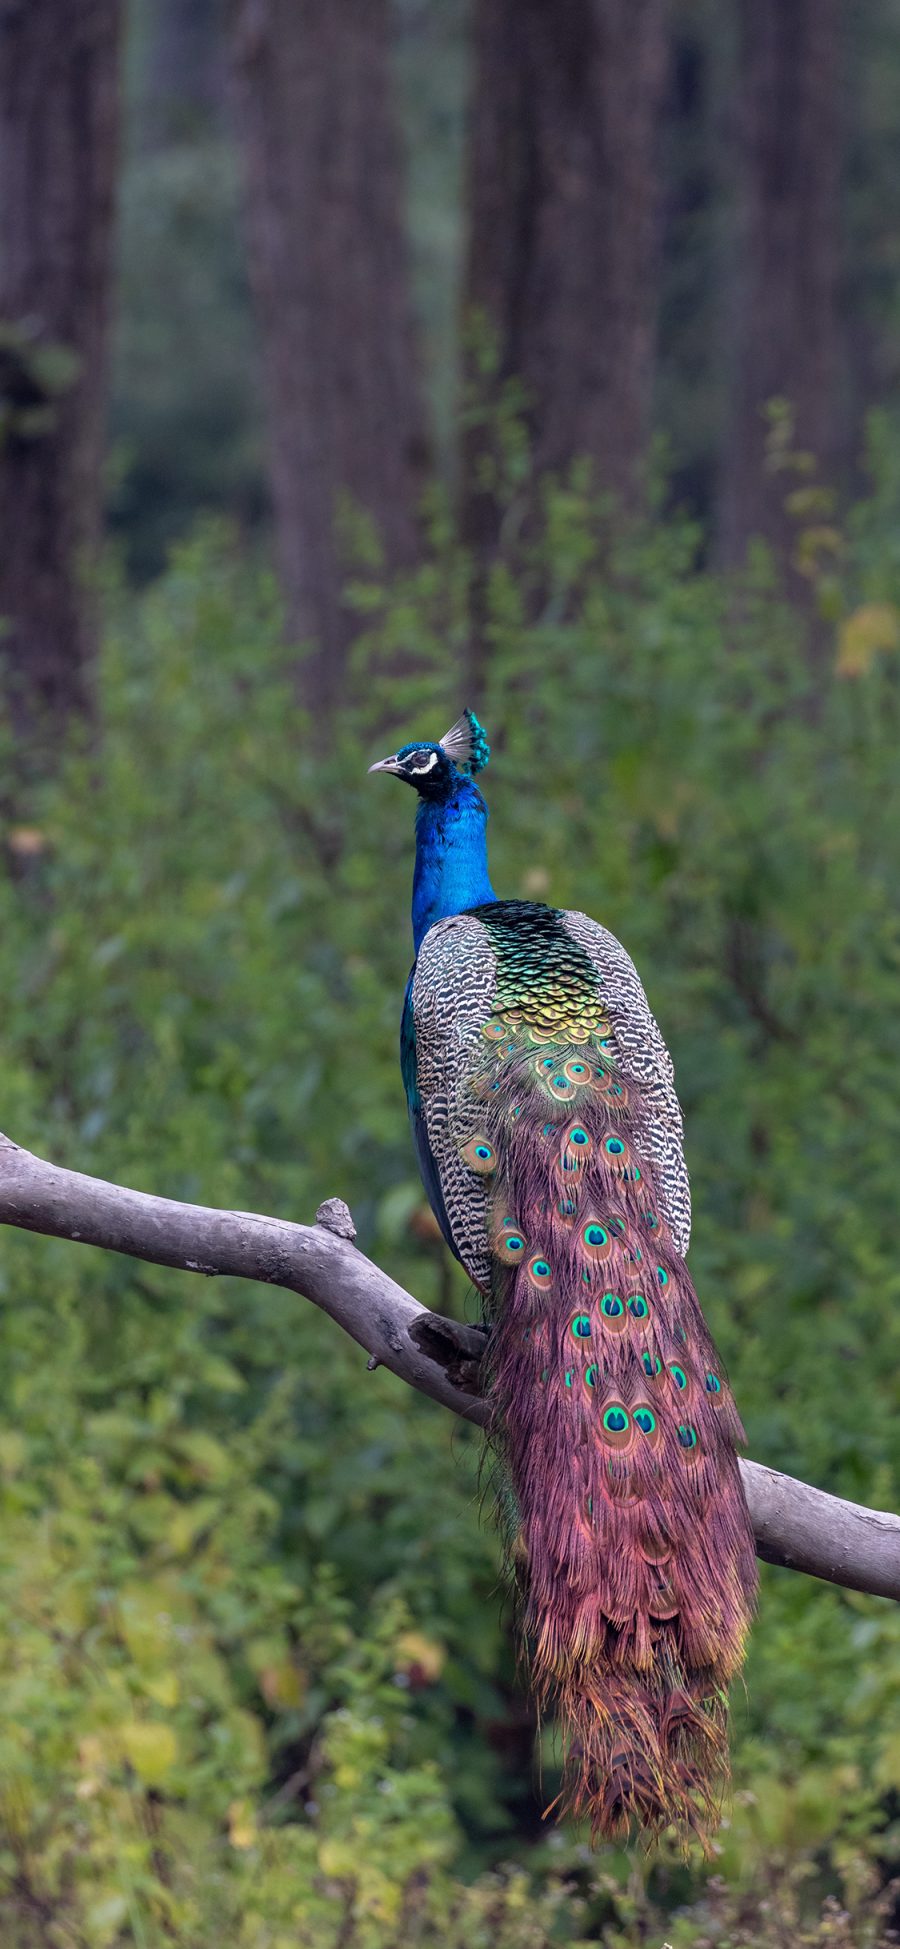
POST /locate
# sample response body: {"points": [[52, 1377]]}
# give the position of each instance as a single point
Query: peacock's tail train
{"points": [[618, 1431]]}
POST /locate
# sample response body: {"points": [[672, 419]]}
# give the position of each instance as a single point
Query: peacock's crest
{"points": [[466, 744]]}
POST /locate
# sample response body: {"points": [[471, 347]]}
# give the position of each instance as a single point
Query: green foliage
{"points": [[260, 1685]]}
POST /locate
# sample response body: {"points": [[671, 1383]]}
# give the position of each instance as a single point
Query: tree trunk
{"points": [[563, 224], [691, 396], [58, 155], [786, 327], [184, 73], [329, 270]]}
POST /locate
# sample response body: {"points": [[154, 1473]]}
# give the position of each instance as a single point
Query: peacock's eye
{"points": [[678, 1375]]}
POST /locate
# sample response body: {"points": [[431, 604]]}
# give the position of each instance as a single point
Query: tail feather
{"points": [[617, 1429]]}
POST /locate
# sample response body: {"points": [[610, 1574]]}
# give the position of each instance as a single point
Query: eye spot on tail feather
{"points": [[576, 1070], [613, 1312], [539, 1273], [575, 1148], [509, 1244], [480, 1156], [596, 1240], [616, 1425]]}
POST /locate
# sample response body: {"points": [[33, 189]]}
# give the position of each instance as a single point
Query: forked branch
{"points": [[795, 1525]]}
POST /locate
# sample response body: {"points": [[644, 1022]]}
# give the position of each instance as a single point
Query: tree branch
{"points": [[795, 1525]]}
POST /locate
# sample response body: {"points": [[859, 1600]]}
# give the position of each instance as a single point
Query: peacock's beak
{"points": [[387, 764]]}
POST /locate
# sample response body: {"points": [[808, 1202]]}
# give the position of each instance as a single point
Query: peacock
{"points": [[549, 1139]]}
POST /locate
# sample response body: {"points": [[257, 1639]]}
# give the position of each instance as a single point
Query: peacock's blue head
{"points": [[435, 770]]}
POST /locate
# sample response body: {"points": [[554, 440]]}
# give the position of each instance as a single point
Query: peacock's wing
{"points": [[640, 1053], [449, 999], [428, 1169]]}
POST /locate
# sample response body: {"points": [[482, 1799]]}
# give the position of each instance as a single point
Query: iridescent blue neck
{"points": [[451, 858]]}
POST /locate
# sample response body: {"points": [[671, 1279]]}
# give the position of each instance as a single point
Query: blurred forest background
{"points": [[358, 361]]}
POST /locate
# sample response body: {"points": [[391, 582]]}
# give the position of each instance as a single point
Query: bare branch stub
{"points": [[335, 1216], [796, 1525]]}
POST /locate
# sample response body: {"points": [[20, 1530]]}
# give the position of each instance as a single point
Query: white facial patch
{"points": [[426, 764]]}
